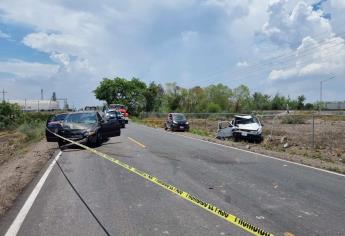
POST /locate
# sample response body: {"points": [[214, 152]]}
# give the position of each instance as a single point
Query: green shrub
{"points": [[200, 132], [10, 115], [213, 108], [291, 119], [33, 130]]}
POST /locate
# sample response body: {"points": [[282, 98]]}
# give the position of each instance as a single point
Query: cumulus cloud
{"points": [[55, 42], [315, 48], [60, 58], [315, 59], [89, 40], [289, 28]]}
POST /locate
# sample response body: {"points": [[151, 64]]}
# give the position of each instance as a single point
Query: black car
{"points": [[54, 124], [115, 114], [87, 127], [177, 122]]}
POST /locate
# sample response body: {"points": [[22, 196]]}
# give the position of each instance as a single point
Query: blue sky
{"points": [[270, 46]]}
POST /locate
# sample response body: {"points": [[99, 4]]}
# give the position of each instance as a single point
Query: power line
{"points": [[3, 95]]}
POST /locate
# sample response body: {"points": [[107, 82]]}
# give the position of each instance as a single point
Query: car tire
{"points": [[123, 126], [61, 143], [99, 138]]}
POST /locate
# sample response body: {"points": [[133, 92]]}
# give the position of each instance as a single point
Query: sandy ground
{"points": [[18, 168]]}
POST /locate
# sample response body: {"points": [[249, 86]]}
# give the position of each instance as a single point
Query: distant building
{"points": [[335, 105], [37, 105]]}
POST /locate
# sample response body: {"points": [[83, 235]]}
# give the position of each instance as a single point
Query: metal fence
{"points": [[321, 133]]}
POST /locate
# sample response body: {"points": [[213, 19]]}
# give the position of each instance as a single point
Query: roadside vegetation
{"points": [[18, 129], [140, 97]]}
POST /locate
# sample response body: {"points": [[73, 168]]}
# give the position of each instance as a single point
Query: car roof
{"points": [[80, 112], [176, 113], [244, 116]]}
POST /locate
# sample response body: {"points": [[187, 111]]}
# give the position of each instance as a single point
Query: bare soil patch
{"points": [[19, 164]]}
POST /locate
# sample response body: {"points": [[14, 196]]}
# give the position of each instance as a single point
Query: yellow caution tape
{"points": [[206, 206]]}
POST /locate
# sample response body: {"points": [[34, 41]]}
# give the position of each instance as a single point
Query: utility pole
{"points": [[3, 95], [321, 82], [41, 94]]}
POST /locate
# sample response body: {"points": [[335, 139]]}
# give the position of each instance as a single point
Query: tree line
{"points": [[139, 96]]}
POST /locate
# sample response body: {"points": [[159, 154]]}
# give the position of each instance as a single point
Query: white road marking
{"points": [[242, 150], [18, 221]]}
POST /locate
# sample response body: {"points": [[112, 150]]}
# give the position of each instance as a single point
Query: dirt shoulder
{"points": [[19, 164]]}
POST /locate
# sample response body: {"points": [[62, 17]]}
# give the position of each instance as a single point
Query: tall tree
{"points": [[219, 94], [300, 102], [241, 98], [126, 92], [152, 95]]}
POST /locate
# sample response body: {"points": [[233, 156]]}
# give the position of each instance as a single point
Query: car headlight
{"points": [[89, 133], [187, 123], [174, 122]]}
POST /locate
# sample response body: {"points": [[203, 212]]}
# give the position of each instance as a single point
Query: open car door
{"points": [[225, 129], [109, 127], [114, 127]]}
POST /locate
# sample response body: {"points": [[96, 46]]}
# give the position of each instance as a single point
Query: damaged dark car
{"points": [[87, 127]]}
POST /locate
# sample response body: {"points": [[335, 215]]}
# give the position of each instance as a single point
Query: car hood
{"points": [[78, 126], [252, 126]]}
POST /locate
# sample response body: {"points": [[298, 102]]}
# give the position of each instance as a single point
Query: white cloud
{"points": [[22, 69], [60, 58], [167, 40], [242, 64], [4, 35], [315, 59], [48, 43], [289, 28]]}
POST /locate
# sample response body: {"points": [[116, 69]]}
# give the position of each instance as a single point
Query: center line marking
{"points": [[135, 141]]}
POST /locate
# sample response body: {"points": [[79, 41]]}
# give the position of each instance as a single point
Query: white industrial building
{"points": [[37, 105], [335, 105]]}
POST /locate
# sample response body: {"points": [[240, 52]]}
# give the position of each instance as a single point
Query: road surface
{"points": [[274, 195]]}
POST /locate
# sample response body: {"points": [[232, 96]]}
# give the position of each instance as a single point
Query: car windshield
{"points": [[60, 117], [179, 117], [242, 121], [82, 118]]}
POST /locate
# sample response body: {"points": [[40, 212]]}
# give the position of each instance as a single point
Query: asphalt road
{"points": [[274, 195]]}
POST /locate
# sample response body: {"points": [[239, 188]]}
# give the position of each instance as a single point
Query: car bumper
{"points": [[247, 135], [181, 127]]}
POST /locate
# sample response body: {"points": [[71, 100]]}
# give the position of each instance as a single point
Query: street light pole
{"points": [[321, 82]]}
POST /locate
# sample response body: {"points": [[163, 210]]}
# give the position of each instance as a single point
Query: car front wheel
{"points": [[99, 138]]}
